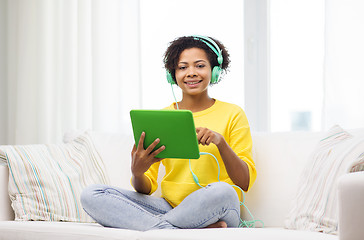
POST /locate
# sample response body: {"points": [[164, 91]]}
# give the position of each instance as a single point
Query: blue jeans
{"points": [[119, 208]]}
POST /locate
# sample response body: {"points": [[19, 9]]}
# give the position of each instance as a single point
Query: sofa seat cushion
{"points": [[17, 230], [42, 230], [236, 234]]}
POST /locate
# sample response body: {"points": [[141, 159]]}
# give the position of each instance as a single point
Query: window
{"points": [[296, 64], [280, 81]]}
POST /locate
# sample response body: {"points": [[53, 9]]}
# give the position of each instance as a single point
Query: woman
{"points": [[193, 63]]}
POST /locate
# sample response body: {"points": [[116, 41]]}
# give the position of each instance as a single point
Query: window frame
{"points": [[256, 72]]}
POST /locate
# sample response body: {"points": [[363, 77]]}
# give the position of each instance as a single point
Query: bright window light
{"points": [[296, 64]]}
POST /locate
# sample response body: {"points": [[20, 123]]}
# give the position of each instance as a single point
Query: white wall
{"points": [[3, 96]]}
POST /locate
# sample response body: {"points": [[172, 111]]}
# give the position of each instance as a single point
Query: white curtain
{"points": [[66, 64], [344, 64]]}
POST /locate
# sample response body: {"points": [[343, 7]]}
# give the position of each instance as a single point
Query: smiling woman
{"points": [[194, 63], [193, 75], [222, 131]]}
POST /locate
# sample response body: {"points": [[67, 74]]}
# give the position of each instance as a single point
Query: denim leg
{"points": [[119, 208], [215, 202]]}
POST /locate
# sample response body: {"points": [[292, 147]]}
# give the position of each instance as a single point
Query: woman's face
{"points": [[193, 72]]}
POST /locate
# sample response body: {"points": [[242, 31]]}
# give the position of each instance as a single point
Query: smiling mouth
{"points": [[193, 83]]}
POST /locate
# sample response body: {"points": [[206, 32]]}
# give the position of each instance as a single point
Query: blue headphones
{"points": [[216, 71]]}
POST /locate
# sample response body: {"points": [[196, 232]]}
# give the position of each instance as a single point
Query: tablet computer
{"points": [[175, 129]]}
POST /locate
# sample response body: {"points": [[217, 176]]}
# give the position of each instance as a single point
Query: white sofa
{"points": [[279, 157]]}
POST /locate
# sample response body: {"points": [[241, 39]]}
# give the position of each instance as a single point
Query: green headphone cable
{"points": [[243, 223], [175, 99]]}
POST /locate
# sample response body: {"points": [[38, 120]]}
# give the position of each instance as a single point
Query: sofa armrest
{"points": [[6, 212], [351, 209]]}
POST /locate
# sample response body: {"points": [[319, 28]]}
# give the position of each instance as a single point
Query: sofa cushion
{"points": [[315, 206], [81, 231], [235, 234], [280, 158], [115, 151], [6, 212], [41, 230], [46, 180], [358, 164]]}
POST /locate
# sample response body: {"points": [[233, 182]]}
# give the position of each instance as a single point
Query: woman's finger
{"points": [[141, 141], [152, 146], [156, 152]]}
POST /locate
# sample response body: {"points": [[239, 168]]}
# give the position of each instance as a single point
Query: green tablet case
{"points": [[175, 129]]}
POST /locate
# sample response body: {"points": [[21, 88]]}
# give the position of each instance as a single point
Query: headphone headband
{"points": [[212, 45]]}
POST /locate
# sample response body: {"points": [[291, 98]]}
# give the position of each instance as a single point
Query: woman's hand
{"points": [[141, 161], [142, 158], [237, 169], [206, 136]]}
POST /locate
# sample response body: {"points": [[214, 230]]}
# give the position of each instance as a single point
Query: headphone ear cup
{"points": [[220, 59], [169, 78], [215, 74]]}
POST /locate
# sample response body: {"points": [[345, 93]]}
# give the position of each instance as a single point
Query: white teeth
{"points": [[193, 82]]}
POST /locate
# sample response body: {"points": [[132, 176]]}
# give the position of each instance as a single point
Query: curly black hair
{"points": [[177, 46]]}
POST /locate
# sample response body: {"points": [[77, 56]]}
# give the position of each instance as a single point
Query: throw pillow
{"points": [[115, 151], [315, 206], [358, 165], [46, 180]]}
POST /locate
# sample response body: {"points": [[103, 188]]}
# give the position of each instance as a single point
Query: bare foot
{"points": [[220, 224]]}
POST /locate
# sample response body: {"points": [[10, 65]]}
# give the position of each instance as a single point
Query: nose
{"points": [[191, 72]]}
